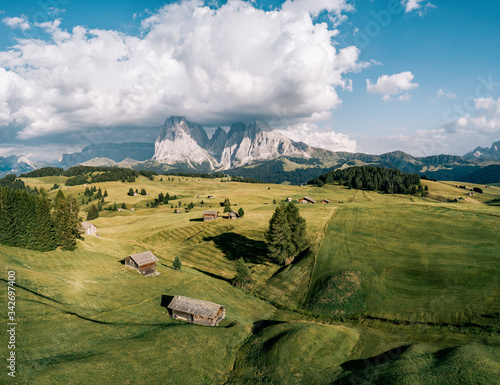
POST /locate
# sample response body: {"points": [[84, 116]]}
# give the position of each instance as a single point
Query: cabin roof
{"points": [[195, 306], [144, 258], [326, 200], [87, 225], [210, 212], [309, 199]]}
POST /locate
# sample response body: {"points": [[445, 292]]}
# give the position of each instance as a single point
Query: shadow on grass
{"points": [[121, 261], [258, 326], [165, 301], [236, 246], [296, 260], [196, 220], [390, 355], [216, 276]]}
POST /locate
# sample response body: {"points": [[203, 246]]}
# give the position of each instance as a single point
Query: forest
{"points": [[388, 180]]}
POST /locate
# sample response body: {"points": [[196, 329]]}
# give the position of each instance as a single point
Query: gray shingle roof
{"points": [[86, 225], [195, 306], [309, 199], [144, 258], [210, 212]]}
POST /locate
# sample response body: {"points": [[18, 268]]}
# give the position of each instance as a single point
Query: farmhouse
{"points": [[209, 215], [196, 311], [144, 262], [307, 200], [89, 229], [325, 201], [233, 215]]}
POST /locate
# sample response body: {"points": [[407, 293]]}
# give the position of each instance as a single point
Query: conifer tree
{"points": [[177, 263], [105, 193], [124, 206], [93, 213], [243, 276], [241, 212]]}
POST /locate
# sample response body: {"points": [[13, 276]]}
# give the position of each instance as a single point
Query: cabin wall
{"points": [[130, 263], [150, 268], [181, 315], [209, 217]]}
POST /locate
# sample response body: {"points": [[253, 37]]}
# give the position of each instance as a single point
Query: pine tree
{"points": [[177, 263], [124, 206], [99, 206], [241, 212], [143, 191], [115, 207], [93, 213], [243, 276], [105, 193], [130, 192]]}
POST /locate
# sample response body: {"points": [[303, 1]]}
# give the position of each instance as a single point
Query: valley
{"points": [[393, 289]]}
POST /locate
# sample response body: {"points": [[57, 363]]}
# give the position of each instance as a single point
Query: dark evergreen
{"points": [[93, 213], [241, 212], [177, 263], [243, 277]]}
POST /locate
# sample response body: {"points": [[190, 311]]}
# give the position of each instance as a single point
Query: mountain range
{"points": [[257, 151]]}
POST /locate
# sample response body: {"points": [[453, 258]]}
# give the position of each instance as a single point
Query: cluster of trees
{"points": [[132, 193], [243, 276], [245, 179], [372, 178], [10, 181], [286, 235], [162, 199], [214, 175], [425, 177], [30, 220]]}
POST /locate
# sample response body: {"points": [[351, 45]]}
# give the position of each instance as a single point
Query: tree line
{"points": [[30, 220], [372, 178]]}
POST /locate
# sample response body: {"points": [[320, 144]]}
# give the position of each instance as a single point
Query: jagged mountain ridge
{"points": [[184, 142], [485, 152], [16, 165]]}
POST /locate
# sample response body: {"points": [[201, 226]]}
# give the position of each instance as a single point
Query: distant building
{"points": [[325, 201], [289, 199], [89, 229], [470, 193], [132, 209], [233, 215], [196, 311], [177, 211], [210, 196], [144, 262], [307, 200], [209, 215], [120, 209]]}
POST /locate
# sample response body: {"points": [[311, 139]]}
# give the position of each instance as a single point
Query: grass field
{"points": [[422, 273]]}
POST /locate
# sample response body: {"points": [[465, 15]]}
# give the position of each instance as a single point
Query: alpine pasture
{"points": [[393, 289]]}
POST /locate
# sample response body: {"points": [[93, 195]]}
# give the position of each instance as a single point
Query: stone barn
{"points": [[196, 311], [209, 215], [144, 263], [89, 229]]}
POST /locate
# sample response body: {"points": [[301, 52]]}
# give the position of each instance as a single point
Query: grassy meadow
{"points": [[393, 289]]}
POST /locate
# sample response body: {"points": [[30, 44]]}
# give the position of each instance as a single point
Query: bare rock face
{"points": [[181, 141], [485, 152]]}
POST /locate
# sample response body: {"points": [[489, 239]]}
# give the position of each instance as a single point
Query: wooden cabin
{"points": [[177, 211], [289, 199], [233, 215], [196, 311], [210, 196], [144, 263], [307, 200], [209, 215], [325, 201], [89, 229]]}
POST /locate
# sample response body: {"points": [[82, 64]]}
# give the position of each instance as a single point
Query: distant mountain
{"points": [[186, 145], [16, 165], [485, 152], [115, 151]]}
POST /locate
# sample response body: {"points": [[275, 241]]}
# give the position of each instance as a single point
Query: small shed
{"points": [[196, 311], [177, 211], [307, 200], [289, 199], [209, 215], [144, 263], [233, 215], [89, 228], [210, 196], [325, 201]]}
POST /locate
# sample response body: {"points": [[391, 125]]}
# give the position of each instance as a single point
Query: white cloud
{"points": [[416, 5], [211, 65], [445, 94], [313, 136], [17, 22], [459, 136], [392, 85]]}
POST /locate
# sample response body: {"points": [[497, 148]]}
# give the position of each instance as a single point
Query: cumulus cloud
{"points": [[392, 85], [326, 138], [459, 136], [445, 94], [213, 65], [416, 5], [17, 22]]}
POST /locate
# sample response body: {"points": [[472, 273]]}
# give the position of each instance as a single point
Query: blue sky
{"points": [[367, 76]]}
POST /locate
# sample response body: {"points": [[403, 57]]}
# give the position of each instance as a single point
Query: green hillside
{"points": [[393, 289]]}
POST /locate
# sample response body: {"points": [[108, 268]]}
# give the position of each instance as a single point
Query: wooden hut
{"points": [[233, 215], [289, 199], [89, 228], [196, 311], [307, 200], [144, 263], [209, 215], [325, 201]]}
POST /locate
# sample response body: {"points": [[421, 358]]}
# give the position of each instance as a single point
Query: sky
{"points": [[361, 76]]}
